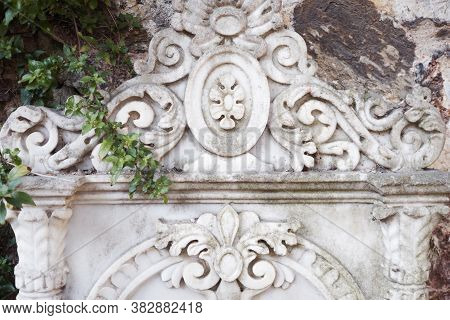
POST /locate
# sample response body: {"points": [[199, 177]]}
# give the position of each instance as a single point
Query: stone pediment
{"points": [[228, 86], [231, 97]]}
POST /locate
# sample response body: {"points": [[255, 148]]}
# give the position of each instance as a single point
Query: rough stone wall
{"points": [[380, 45]]}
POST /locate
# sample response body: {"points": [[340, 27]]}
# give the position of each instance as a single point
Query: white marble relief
{"points": [[406, 237], [221, 56], [226, 256], [225, 76], [40, 234]]}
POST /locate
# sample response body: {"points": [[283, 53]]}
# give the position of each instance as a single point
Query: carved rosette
{"points": [[227, 256], [40, 235], [406, 236], [227, 101]]}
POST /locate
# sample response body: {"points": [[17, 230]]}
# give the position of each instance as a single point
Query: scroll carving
{"points": [[268, 80], [47, 140], [168, 60], [227, 256]]}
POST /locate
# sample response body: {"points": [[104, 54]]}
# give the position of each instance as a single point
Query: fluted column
{"points": [[406, 233], [40, 234]]}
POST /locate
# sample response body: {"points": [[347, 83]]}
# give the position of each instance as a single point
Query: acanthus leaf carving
{"points": [[227, 256], [241, 23], [228, 246], [210, 41], [40, 232], [406, 233]]}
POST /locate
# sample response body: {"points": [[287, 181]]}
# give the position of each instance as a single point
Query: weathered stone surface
{"points": [[230, 94], [334, 209], [352, 32]]}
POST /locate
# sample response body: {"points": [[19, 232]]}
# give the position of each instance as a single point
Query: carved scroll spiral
{"points": [[39, 134], [420, 134], [416, 135], [169, 58], [138, 108], [287, 57], [296, 127]]}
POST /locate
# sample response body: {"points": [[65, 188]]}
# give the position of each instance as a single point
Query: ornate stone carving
{"points": [[287, 57], [242, 46], [169, 58], [161, 121], [229, 247], [50, 142], [240, 23], [225, 99], [40, 234], [222, 63], [229, 256], [47, 140], [406, 236]]}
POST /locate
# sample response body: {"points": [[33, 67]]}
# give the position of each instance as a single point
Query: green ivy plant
{"points": [[40, 76], [92, 40], [40, 79], [11, 172], [122, 151]]}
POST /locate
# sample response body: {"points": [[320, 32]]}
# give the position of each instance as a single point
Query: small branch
{"points": [[114, 20], [77, 34], [54, 37]]}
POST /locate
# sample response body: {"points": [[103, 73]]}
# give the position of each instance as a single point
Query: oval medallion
{"points": [[227, 101]]}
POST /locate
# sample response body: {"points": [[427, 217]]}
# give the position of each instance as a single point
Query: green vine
{"points": [[120, 150], [97, 43], [11, 172]]}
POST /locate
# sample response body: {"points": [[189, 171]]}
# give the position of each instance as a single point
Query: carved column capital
{"points": [[406, 230], [40, 234]]}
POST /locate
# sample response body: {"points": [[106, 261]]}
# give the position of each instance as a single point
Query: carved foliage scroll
{"points": [[41, 272], [232, 69], [406, 236], [227, 256]]}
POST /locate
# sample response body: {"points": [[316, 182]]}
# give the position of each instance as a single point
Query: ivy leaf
{"points": [[2, 212], [9, 16], [3, 190], [105, 148], [13, 184], [23, 198], [14, 203], [18, 172]]}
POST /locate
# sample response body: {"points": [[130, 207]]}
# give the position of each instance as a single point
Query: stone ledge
{"points": [[328, 187]]}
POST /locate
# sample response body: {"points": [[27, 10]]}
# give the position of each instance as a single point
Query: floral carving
{"points": [[406, 236], [241, 23], [226, 101], [229, 256], [231, 61], [42, 271], [230, 249]]}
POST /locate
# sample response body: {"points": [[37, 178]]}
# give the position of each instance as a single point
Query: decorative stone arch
{"points": [[252, 275]]}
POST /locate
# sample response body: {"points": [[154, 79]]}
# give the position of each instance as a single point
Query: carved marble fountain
{"points": [[283, 187]]}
